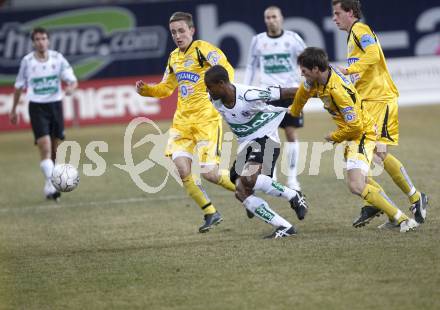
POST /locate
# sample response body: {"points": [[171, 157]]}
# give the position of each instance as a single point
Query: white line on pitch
{"points": [[99, 203]]}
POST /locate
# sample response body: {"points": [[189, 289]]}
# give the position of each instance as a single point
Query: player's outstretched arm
{"points": [[288, 93], [160, 90]]}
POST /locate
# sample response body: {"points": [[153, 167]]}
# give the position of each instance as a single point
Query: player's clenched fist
{"points": [[141, 88]]}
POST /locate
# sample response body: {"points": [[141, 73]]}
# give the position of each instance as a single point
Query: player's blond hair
{"points": [[186, 17]]}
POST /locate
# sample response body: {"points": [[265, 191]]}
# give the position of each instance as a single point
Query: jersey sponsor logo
{"points": [[349, 117], [277, 63], [367, 40], [187, 76], [213, 57], [186, 90], [45, 85], [259, 120]]}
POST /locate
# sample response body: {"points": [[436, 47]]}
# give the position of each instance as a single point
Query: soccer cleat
{"points": [[419, 208], [404, 226], [249, 214], [50, 192], [367, 214], [282, 232], [299, 205], [54, 196], [210, 221], [407, 225]]}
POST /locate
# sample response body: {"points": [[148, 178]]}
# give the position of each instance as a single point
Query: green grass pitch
{"points": [[108, 245]]}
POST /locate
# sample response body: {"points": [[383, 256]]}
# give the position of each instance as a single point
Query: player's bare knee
{"points": [[356, 187], [183, 172], [241, 192], [381, 156], [210, 176], [248, 182]]}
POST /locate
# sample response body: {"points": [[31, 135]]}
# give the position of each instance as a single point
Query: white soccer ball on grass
{"points": [[65, 177]]}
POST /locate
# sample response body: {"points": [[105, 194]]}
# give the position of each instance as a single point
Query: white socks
{"points": [[46, 166], [266, 185], [292, 150], [261, 209]]}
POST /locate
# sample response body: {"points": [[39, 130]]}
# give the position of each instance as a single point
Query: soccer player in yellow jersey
{"points": [[369, 73], [354, 125], [197, 126]]}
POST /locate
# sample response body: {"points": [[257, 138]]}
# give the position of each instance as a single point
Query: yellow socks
{"points": [[372, 182], [380, 200], [225, 181], [399, 175], [198, 194]]}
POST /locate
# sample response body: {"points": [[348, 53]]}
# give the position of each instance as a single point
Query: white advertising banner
{"points": [[417, 79]]}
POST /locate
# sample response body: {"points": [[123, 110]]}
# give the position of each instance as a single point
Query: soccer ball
{"points": [[65, 177]]}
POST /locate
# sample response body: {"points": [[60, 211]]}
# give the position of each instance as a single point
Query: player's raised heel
{"points": [[210, 221], [249, 214], [419, 208], [367, 214]]}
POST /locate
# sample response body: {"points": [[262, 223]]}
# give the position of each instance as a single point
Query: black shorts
{"points": [[263, 150], [47, 119], [289, 120]]}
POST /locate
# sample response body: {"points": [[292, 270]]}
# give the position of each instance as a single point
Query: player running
{"points": [[197, 126], [354, 125], [274, 52], [41, 72], [369, 73], [255, 124]]}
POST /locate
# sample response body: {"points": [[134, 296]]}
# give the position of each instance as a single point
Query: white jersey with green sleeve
{"points": [[251, 118], [42, 79]]}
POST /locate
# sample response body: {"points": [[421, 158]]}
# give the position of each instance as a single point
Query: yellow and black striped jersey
{"points": [[343, 102], [366, 64], [186, 70]]}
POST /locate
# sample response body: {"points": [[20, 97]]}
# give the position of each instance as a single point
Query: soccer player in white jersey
{"points": [[41, 73], [255, 125], [275, 52]]}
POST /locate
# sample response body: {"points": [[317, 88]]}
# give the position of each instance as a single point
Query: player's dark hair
{"points": [[313, 57], [186, 17], [348, 5], [216, 73], [38, 30]]}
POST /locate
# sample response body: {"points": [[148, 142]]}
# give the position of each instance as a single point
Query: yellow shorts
{"points": [[385, 114], [203, 139], [359, 154]]}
